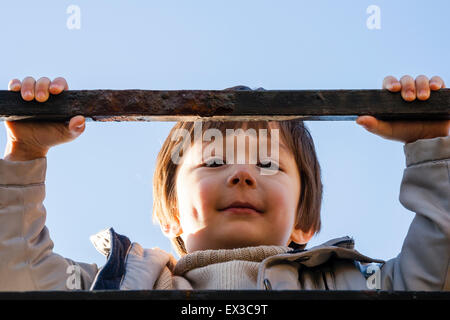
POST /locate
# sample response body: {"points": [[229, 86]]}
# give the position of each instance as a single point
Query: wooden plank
{"points": [[188, 105]]}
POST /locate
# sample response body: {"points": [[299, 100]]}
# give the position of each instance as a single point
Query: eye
{"points": [[269, 164], [213, 162]]}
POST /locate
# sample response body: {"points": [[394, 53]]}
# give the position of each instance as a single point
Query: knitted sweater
{"points": [[225, 269]]}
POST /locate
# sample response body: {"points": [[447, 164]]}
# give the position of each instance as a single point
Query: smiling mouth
{"points": [[242, 207], [240, 210]]}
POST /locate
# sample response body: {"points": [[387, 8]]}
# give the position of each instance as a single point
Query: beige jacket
{"points": [[27, 261]]}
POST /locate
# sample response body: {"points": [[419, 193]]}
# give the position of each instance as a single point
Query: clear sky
{"points": [[104, 178]]}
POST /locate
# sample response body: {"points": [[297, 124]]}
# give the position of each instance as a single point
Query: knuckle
{"points": [[422, 79], [14, 83], [391, 78], [390, 82], [409, 86], [28, 79], [59, 84], [43, 80], [59, 80], [436, 83], [436, 79], [407, 79], [27, 89]]}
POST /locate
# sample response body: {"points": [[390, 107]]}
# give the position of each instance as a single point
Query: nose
{"points": [[242, 176]]}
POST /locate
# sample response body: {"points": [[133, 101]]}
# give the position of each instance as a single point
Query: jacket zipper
{"points": [[267, 284]]}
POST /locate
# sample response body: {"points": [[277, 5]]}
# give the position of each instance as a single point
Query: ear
{"points": [[173, 229], [301, 237]]}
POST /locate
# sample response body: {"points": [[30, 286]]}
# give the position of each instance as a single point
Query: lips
{"points": [[240, 206]]}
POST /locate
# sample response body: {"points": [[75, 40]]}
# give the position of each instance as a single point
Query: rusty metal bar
{"points": [[188, 105]]}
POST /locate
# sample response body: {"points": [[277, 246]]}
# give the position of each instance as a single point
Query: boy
{"points": [[234, 227]]}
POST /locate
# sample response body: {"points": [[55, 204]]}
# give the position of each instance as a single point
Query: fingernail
{"points": [[409, 94]]}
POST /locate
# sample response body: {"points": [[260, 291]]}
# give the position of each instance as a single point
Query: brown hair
{"points": [[293, 132]]}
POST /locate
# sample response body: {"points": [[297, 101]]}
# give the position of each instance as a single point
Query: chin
{"points": [[240, 239], [243, 244]]}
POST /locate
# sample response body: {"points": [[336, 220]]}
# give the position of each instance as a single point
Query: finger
{"points": [[41, 89], [422, 87], [408, 88], [436, 83], [14, 85], [27, 89], [58, 85], [391, 83], [77, 124], [372, 124]]}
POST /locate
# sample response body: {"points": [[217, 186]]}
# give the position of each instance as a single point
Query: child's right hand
{"points": [[31, 140]]}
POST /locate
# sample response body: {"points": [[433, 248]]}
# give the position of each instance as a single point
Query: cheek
{"points": [[283, 202], [197, 199], [187, 215], [207, 195]]}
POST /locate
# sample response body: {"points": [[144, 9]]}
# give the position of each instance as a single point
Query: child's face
{"points": [[203, 192]]}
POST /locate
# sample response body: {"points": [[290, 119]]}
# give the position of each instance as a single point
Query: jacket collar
{"points": [[342, 248], [116, 247]]}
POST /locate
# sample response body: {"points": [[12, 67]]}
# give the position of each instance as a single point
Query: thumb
{"points": [[375, 126], [77, 125], [367, 122]]}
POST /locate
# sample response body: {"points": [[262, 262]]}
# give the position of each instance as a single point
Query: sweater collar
{"points": [[203, 258]]}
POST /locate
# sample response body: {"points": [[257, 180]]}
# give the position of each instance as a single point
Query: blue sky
{"points": [[104, 178]]}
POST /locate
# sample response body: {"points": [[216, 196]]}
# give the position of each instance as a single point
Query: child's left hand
{"points": [[408, 131]]}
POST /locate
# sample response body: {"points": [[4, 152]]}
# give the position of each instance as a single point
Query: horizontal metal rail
{"points": [[189, 105]]}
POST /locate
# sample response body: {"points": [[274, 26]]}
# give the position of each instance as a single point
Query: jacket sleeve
{"points": [[27, 260], [423, 263]]}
